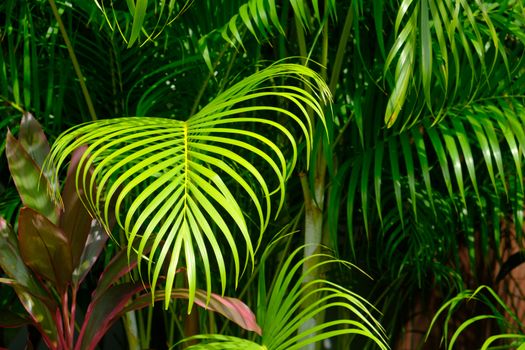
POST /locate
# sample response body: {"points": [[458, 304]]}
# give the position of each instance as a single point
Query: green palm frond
{"points": [[400, 198], [175, 177], [447, 50], [295, 298], [257, 19], [511, 327], [293, 301], [138, 18], [223, 342], [261, 17]]}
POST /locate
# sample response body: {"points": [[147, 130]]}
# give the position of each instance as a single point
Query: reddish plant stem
{"points": [[65, 316], [72, 316], [60, 332]]}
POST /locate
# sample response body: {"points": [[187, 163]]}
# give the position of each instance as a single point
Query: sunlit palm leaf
{"points": [[223, 342], [292, 301], [170, 180]]}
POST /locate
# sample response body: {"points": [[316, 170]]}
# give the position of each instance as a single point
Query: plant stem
{"points": [[74, 61], [68, 334], [72, 316], [314, 197], [130, 326]]}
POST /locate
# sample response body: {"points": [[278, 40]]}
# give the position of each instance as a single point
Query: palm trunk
{"points": [[313, 232]]}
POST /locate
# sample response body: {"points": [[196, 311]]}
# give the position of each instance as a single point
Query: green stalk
{"points": [[132, 332], [74, 61], [301, 41], [314, 197]]}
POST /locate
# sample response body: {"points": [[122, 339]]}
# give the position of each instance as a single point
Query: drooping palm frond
{"points": [[262, 19], [139, 18], [445, 51], [476, 146], [511, 327], [293, 299], [174, 176]]}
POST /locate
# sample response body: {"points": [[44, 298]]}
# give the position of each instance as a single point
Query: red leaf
{"points": [[117, 267], [40, 311], [45, 248], [75, 220], [11, 261], [37, 302], [103, 312], [231, 308]]}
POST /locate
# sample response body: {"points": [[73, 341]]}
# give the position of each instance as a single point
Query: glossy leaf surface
{"points": [[103, 312], [32, 138], [33, 188], [94, 245], [43, 313], [45, 248]]}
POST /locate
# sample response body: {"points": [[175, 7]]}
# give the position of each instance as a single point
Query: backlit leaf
{"points": [[174, 176]]}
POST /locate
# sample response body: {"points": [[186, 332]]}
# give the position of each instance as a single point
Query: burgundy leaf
{"points": [[11, 261], [40, 311], [103, 312], [33, 188], [117, 267], [9, 319], [45, 248], [75, 220], [95, 243], [231, 308], [35, 299]]}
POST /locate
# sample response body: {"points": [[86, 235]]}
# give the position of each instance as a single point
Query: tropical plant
{"points": [[240, 95], [425, 164], [175, 178], [415, 175], [510, 335], [286, 305], [56, 247]]}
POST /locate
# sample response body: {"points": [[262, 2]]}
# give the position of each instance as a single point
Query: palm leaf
{"points": [[446, 50], [141, 18], [257, 19], [430, 171], [174, 176], [294, 299], [506, 317]]}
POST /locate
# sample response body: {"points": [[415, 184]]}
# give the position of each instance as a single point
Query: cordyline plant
{"points": [[57, 245]]}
